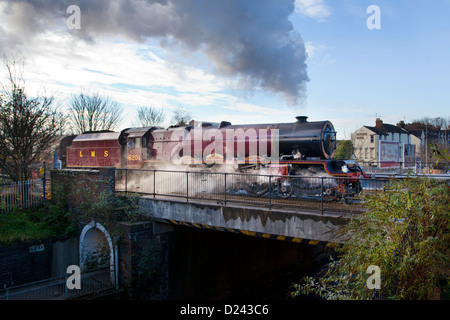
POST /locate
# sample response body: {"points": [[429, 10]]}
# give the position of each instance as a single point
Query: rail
{"points": [[416, 167], [22, 194], [322, 193], [92, 282]]}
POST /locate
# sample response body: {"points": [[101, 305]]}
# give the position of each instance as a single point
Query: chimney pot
{"points": [[379, 123], [401, 124]]}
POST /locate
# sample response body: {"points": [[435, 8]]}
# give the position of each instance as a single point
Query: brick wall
{"points": [[76, 186], [20, 263], [143, 261]]}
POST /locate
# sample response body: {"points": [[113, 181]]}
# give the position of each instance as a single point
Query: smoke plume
{"points": [[251, 42]]}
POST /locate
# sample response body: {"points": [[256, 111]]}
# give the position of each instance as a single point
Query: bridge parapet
{"points": [[302, 227]]}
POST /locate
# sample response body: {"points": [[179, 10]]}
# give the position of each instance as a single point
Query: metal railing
{"points": [[92, 282], [314, 192], [22, 194], [419, 167]]}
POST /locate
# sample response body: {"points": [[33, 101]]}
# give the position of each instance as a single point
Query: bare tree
{"points": [[28, 126], [438, 123], [181, 117], [90, 111], [149, 116]]}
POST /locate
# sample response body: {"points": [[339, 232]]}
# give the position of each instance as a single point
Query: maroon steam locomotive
{"points": [[285, 148], [206, 144]]}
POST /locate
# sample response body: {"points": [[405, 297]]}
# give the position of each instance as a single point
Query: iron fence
{"points": [[313, 192], [22, 194], [92, 282], [416, 167]]}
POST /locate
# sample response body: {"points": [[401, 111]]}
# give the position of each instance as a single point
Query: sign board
{"points": [[409, 155], [389, 154], [37, 248]]}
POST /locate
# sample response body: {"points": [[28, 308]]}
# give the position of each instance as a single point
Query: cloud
{"points": [[316, 9], [251, 42]]}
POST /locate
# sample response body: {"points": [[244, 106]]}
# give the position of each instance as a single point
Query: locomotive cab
{"points": [[139, 146]]}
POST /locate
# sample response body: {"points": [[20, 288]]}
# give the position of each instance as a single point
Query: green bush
{"points": [[405, 232], [35, 224]]}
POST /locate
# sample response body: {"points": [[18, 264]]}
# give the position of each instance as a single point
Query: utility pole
{"points": [[426, 146]]}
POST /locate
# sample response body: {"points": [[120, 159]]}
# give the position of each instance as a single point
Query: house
{"points": [[385, 145], [426, 135]]}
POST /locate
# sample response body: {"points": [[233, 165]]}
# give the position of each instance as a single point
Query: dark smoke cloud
{"points": [[250, 40]]}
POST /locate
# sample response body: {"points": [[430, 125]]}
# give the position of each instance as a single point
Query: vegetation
{"points": [[90, 111], [181, 117], [149, 117], [87, 202], [344, 150], [432, 128], [56, 219], [405, 232], [28, 126], [35, 224]]}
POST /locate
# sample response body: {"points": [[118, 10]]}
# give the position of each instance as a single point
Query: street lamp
{"points": [[426, 146]]}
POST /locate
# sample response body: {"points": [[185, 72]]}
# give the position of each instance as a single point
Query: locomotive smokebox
{"points": [[315, 139]]}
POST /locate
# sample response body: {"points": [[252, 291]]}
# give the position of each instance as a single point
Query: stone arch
{"points": [[96, 248]]}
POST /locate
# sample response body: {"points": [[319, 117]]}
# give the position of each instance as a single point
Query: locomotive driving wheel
{"points": [[284, 188]]}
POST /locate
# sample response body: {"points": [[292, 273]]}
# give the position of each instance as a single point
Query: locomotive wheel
{"points": [[284, 189], [256, 189]]}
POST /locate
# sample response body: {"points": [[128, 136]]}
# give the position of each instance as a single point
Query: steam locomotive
{"points": [[285, 149]]}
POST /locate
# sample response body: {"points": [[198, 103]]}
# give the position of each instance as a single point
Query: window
{"points": [[372, 138], [134, 143]]}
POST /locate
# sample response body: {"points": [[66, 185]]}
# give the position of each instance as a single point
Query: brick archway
{"points": [[96, 248]]}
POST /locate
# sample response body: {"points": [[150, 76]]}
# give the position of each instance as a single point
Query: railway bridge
{"points": [[249, 204], [196, 234]]}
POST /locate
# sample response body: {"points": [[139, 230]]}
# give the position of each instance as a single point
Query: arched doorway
{"points": [[96, 249]]}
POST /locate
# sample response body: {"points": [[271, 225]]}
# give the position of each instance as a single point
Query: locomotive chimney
{"points": [[301, 119]]}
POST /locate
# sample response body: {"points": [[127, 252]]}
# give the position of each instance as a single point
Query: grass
{"points": [[34, 224]]}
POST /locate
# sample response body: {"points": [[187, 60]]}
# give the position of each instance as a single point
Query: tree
{"points": [[435, 132], [438, 123], [404, 232], [344, 150], [28, 125], [181, 117], [90, 111], [148, 116]]}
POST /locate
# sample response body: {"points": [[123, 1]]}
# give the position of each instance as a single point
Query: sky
{"points": [[242, 61]]}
